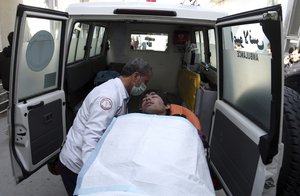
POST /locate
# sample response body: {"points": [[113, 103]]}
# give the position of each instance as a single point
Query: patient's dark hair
{"points": [[162, 95], [137, 65]]}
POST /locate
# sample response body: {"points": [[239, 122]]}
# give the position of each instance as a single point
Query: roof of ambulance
{"points": [[182, 11]]}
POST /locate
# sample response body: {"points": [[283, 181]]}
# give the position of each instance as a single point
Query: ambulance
{"points": [[227, 69]]}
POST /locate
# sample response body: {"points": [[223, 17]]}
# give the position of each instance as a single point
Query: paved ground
{"points": [[42, 183]]}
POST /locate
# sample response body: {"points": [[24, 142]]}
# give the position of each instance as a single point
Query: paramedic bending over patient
{"points": [[98, 109]]}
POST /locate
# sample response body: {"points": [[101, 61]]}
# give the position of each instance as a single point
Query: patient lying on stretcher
{"points": [[157, 103], [147, 154]]}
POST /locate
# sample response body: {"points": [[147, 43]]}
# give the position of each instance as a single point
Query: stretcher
{"points": [[143, 154]]}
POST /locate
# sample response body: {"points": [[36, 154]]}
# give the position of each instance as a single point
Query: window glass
{"points": [[40, 49], [247, 72], [78, 42], [149, 41], [97, 40], [212, 47], [200, 46]]}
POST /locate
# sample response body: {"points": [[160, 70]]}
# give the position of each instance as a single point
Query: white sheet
{"points": [[147, 155]]}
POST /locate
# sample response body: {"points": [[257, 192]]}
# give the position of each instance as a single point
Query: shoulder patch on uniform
{"points": [[106, 103]]}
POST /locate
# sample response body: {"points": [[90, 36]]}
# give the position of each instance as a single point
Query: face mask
{"points": [[138, 90]]}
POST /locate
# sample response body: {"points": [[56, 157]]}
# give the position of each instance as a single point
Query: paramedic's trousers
{"points": [[69, 178]]}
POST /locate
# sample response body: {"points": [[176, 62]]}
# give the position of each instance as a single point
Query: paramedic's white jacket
{"points": [[98, 109]]}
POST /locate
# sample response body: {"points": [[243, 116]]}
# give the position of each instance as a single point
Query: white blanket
{"points": [[147, 155]]}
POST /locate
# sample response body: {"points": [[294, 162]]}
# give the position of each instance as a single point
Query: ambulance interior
{"points": [[183, 58]]}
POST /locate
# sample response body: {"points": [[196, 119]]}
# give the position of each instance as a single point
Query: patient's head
{"points": [[155, 103]]}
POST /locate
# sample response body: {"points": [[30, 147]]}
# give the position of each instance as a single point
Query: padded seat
{"points": [[103, 76], [188, 84]]}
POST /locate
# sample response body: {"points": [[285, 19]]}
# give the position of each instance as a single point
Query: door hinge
{"points": [[271, 15]]}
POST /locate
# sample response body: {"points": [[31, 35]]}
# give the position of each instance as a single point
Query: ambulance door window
{"points": [[199, 35], [212, 47], [97, 40], [78, 42]]}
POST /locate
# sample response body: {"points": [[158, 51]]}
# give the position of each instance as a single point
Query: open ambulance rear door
{"points": [[36, 97], [245, 136]]}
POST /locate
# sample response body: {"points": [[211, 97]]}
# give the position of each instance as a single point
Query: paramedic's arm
{"points": [[102, 111]]}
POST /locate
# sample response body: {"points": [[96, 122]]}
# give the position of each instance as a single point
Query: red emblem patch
{"points": [[106, 103]]}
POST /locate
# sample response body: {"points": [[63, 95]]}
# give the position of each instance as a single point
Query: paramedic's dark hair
{"points": [[137, 65]]}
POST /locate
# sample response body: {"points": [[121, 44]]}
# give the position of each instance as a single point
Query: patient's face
{"points": [[153, 104]]}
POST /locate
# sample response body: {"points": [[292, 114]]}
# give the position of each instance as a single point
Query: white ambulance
{"points": [[227, 69]]}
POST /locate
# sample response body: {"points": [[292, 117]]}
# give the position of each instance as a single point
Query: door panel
{"points": [[37, 99], [248, 113], [45, 124], [234, 149]]}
